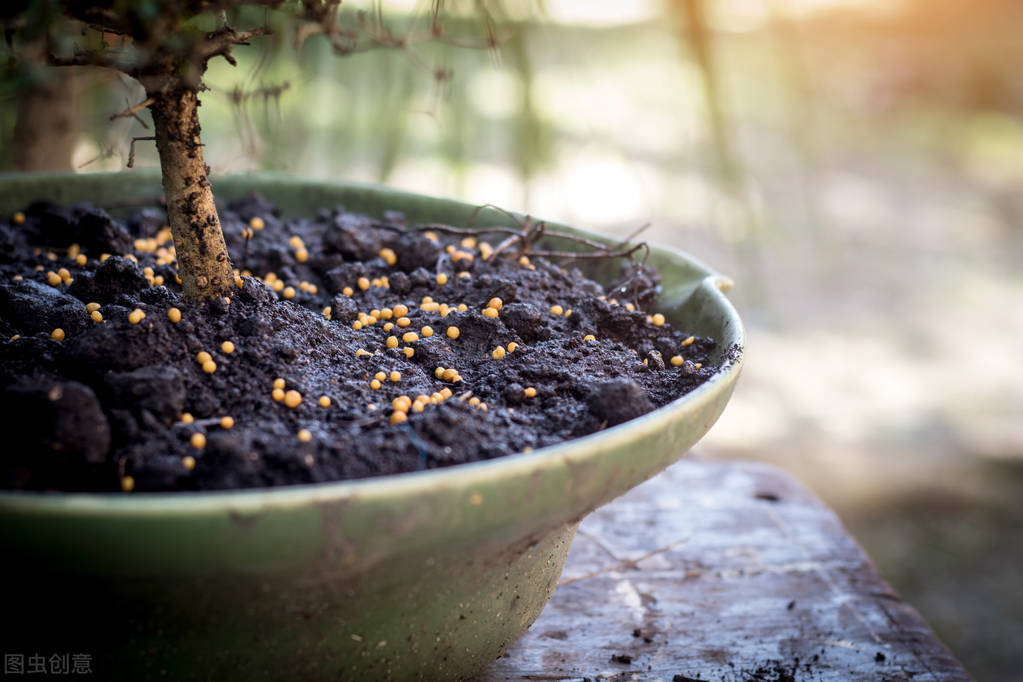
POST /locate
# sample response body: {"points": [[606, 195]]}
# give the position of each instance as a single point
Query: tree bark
{"points": [[203, 264]]}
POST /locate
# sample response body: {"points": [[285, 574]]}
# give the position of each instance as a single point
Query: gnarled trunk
{"points": [[203, 264]]}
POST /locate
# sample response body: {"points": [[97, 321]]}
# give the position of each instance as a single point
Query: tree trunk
{"points": [[44, 134], [203, 265]]}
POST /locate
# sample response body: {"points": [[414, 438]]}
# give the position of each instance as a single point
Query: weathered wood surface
{"points": [[723, 571]]}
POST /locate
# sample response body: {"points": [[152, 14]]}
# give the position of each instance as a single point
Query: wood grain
{"points": [[723, 571]]}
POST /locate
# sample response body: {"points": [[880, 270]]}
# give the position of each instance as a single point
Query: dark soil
{"points": [[107, 408]]}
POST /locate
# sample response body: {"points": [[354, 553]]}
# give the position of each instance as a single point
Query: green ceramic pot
{"points": [[427, 575]]}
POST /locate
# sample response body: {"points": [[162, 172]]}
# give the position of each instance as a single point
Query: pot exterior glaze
{"points": [[428, 575]]}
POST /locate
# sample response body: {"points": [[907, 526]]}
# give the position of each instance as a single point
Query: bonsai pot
{"points": [[425, 575]]}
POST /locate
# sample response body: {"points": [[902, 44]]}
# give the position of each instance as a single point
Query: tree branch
{"points": [[131, 149], [132, 112], [221, 42], [532, 232], [84, 59]]}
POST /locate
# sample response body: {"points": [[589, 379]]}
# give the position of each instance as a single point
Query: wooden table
{"points": [[723, 571]]}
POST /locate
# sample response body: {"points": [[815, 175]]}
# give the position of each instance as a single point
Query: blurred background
{"points": [[854, 165]]}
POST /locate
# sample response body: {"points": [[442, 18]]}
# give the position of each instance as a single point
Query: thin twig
{"points": [[621, 245], [527, 236], [467, 231], [604, 253], [533, 234], [476, 212], [632, 235], [133, 112], [131, 149]]}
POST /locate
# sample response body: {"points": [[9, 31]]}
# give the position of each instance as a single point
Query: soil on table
{"points": [[123, 404]]}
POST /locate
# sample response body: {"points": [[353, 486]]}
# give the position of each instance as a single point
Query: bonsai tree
{"points": [[166, 45]]}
